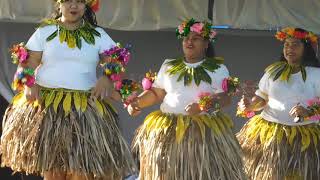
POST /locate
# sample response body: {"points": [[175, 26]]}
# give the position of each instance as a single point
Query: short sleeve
{"points": [[263, 87], [221, 74], [159, 82], [36, 41], [105, 42]]}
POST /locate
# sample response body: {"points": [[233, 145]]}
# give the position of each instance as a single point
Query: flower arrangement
{"points": [[23, 76], [148, 80], [202, 28], [205, 101], [230, 85], [314, 107], [19, 53], [294, 33], [128, 90]]}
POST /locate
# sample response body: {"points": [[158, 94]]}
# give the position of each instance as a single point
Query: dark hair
{"points": [[89, 16], [309, 57], [210, 52]]}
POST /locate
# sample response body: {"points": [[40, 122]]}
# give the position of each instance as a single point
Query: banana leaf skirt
{"points": [[278, 152], [178, 147], [68, 131]]}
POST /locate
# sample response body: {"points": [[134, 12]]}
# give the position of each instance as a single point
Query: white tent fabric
{"points": [[156, 14], [115, 14], [268, 14]]}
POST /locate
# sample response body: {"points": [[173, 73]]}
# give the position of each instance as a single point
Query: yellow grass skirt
{"points": [[178, 147], [66, 132], [277, 152]]}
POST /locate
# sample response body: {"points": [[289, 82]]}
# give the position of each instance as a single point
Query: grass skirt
{"points": [[177, 147], [67, 132], [274, 151]]}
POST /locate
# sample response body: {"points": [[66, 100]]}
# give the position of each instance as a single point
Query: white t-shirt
{"points": [[179, 96], [283, 95], [64, 67]]}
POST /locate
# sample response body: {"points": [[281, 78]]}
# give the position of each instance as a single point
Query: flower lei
{"points": [[148, 80], [230, 85], [292, 32], [128, 90], [19, 53], [201, 28], [207, 104], [114, 69], [93, 4], [23, 75], [205, 101]]}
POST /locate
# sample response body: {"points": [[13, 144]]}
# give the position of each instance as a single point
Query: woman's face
{"points": [[194, 46], [293, 51], [72, 10]]}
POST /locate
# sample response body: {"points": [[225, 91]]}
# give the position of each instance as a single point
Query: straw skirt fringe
{"points": [[177, 147], [67, 132], [274, 151]]}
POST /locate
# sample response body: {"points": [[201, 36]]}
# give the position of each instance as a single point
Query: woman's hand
{"points": [[299, 111], [32, 93], [133, 108], [193, 109], [244, 104], [103, 88]]}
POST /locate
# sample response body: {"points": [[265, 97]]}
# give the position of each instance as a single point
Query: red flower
{"points": [[300, 35]]}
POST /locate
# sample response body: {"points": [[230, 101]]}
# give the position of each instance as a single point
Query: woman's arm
{"points": [[255, 104], [33, 62], [146, 99]]}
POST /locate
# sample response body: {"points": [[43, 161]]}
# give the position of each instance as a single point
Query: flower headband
{"points": [[93, 4], [306, 36], [201, 28]]}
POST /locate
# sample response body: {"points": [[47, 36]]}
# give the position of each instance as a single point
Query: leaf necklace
{"points": [[283, 70], [197, 74], [72, 37]]}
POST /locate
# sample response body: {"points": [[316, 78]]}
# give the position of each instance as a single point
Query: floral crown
{"points": [[93, 4], [306, 36], [202, 28]]}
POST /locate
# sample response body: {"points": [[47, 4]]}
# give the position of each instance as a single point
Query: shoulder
{"points": [[101, 31], [48, 28], [313, 72]]}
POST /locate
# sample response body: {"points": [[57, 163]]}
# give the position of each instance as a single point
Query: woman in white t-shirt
{"points": [[62, 126], [180, 141], [281, 143]]}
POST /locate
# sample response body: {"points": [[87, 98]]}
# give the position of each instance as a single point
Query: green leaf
{"points": [[303, 73], [52, 36], [279, 73]]}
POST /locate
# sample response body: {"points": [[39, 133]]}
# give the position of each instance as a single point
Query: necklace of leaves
{"points": [[197, 74], [72, 37], [283, 70]]}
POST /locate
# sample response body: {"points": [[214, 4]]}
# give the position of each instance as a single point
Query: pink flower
{"points": [[115, 77], [181, 29], [250, 114], [197, 27], [30, 81], [225, 85], [314, 117], [146, 84], [23, 54], [118, 85], [315, 101]]}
